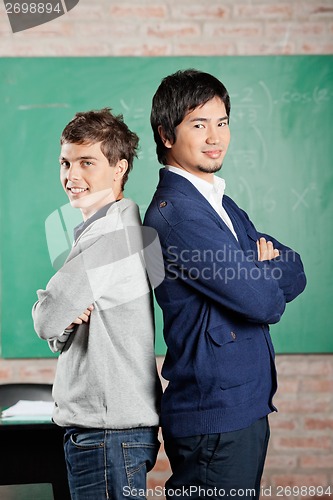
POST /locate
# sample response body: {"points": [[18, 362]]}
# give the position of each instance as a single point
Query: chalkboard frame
{"points": [[278, 168]]}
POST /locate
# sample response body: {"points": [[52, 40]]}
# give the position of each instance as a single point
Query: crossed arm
{"points": [[266, 250], [58, 343], [83, 318]]}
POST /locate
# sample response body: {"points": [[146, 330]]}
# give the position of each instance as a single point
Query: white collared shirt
{"points": [[212, 192]]}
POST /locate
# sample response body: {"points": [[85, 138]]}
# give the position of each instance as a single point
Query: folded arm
{"points": [[78, 284], [215, 266], [90, 272], [57, 344], [286, 267]]}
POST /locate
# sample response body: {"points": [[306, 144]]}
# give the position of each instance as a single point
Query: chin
{"points": [[210, 169], [76, 204]]}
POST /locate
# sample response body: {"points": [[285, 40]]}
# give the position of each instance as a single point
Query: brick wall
{"points": [[301, 447], [300, 452], [178, 27]]}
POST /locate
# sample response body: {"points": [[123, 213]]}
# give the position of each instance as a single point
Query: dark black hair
{"points": [[177, 95]]}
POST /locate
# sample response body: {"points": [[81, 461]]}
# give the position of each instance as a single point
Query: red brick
{"points": [[299, 480], [285, 462], [37, 373], [162, 464], [162, 445], [304, 405], [200, 12], [317, 462], [232, 30], [142, 49], [317, 385], [31, 370], [87, 48], [262, 11], [288, 386], [295, 29], [277, 422], [56, 28], [316, 10], [6, 373], [159, 362], [316, 48], [5, 28], [93, 11], [105, 30], [138, 11], [204, 49], [156, 487], [296, 442], [264, 48], [318, 424], [170, 30], [306, 366]]}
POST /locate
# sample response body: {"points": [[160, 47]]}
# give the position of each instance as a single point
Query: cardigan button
{"points": [[234, 336], [163, 204]]}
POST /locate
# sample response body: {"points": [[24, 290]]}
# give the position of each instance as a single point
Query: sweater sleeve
{"points": [[99, 261], [58, 343], [68, 293]]}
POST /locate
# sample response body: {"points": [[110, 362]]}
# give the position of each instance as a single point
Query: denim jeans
{"points": [[109, 464]]}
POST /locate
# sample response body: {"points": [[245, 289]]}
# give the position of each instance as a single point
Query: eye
{"points": [[64, 164], [199, 125], [223, 124], [87, 163]]}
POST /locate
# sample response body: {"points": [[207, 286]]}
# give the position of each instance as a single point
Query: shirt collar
{"points": [[204, 187], [78, 230]]}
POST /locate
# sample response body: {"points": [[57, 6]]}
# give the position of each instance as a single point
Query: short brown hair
{"points": [[117, 140]]}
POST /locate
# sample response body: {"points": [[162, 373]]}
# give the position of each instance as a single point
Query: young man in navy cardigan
{"points": [[225, 283]]}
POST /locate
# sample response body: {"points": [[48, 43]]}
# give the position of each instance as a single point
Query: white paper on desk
{"points": [[29, 408]]}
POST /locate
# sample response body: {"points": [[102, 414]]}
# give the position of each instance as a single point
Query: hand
{"points": [[266, 251], [83, 318]]}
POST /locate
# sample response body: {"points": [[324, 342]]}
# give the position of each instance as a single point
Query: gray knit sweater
{"points": [[106, 373]]}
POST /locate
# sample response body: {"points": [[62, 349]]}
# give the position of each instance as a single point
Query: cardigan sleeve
{"points": [[287, 268], [213, 264], [201, 253]]}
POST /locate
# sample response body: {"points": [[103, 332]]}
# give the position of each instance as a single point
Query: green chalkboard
{"points": [[278, 168]]}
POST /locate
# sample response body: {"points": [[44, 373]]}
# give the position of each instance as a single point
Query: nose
{"points": [[73, 173], [213, 136]]}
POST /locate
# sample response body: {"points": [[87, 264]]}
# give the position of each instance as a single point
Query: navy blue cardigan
{"points": [[217, 301]]}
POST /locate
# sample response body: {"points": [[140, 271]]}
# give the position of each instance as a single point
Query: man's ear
{"points": [[167, 143], [120, 169]]}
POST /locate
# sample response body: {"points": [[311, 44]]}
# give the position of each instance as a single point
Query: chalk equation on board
{"points": [[256, 115]]}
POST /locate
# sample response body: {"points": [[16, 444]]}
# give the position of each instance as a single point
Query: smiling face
{"points": [[88, 179], [202, 140]]}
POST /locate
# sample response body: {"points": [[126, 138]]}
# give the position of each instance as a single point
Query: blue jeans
{"points": [[109, 464]]}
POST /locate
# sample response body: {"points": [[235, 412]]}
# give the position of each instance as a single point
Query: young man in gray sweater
{"points": [[97, 311]]}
